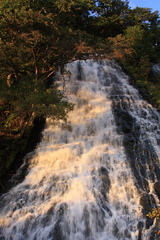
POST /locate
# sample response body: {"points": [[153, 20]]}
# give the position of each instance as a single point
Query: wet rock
{"points": [[140, 226], [124, 120], [147, 201], [158, 141], [154, 235], [128, 139], [151, 175], [157, 188], [103, 172], [157, 172]]}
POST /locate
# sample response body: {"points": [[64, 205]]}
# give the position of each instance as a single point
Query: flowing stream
{"points": [[93, 179]]}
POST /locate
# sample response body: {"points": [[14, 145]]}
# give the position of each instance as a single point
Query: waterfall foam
{"points": [[83, 183]]}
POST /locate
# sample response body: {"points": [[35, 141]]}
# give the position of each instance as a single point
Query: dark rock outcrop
{"points": [[157, 188], [17, 150]]}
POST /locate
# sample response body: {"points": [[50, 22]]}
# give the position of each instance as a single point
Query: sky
{"points": [[154, 4]]}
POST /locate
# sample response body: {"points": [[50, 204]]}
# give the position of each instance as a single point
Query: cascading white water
{"points": [[80, 184]]}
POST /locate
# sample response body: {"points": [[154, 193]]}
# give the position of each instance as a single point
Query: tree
{"points": [[29, 44], [35, 40], [111, 18]]}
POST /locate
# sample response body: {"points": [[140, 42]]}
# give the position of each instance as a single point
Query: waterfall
{"points": [[93, 179]]}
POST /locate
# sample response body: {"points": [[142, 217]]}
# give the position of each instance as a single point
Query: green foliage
{"points": [[111, 18], [124, 46], [143, 17], [32, 46], [155, 214], [9, 120]]}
